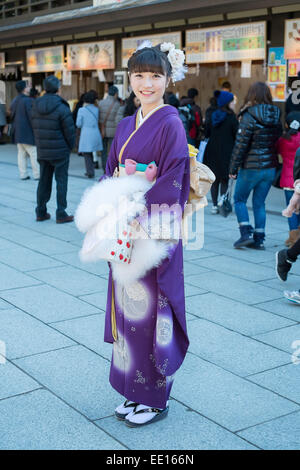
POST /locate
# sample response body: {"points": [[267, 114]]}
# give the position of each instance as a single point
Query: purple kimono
{"points": [[150, 314]]}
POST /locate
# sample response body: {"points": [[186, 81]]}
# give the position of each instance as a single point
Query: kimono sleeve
{"points": [[171, 189]]}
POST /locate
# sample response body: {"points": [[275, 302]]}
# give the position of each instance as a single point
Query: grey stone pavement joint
{"points": [[238, 387]]}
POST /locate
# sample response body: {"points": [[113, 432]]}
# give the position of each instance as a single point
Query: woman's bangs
{"points": [[146, 62]]}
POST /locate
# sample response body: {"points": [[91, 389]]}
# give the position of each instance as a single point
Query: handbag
{"points": [[224, 205]]}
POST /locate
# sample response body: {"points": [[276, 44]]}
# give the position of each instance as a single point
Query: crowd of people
{"points": [[248, 145]]}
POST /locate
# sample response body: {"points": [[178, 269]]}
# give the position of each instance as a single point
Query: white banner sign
{"points": [[91, 55], [129, 45], [46, 59], [226, 43]]}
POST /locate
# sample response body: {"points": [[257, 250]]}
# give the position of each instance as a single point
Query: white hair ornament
{"points": [[175, 56]]}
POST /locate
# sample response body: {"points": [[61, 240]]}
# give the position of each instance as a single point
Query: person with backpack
{"points": [[90, 138], [221, 131], [287, 146], [254, 161], [195, 116]]}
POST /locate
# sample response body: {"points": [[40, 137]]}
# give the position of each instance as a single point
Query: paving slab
{"points": [[283, 380], [14, 381], [99, 268], [47, 303], [279, 434], [41, 421], [25, 335], [24, 259], [161, 436], [247, 254], [282, 338], [78, 376], [71, 280], [281, 307], [10, 278], [48, 245], [292, 283], [88, 331], [225, 398], [98, 299], [234, 315], [245, 356], [235, 288], [237, 267]]}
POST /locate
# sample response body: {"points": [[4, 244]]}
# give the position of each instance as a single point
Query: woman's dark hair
{"points": [[258, 93], [150, 59], [130, 108], [90, 97], [292, 116], [173, 100]]}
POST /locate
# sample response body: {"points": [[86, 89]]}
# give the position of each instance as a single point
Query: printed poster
{"points": [[292, 39], [130, 45], [278, 92], [294, 67], [226, 43], [91, 56], [277, 69], [46, 59]]}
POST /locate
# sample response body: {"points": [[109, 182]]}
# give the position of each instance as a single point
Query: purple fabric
{"points": [[150, 314]]}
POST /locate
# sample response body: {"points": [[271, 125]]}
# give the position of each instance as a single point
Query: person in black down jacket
{"points": [[254, 161], [221, 130], [54, 132]]}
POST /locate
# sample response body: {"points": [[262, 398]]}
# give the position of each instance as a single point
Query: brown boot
{"points": [[294, 236]]}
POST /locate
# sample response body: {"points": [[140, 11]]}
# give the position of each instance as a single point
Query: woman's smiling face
{"points": [[149, 87]]}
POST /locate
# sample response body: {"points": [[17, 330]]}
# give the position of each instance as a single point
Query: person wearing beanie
{"points": [[111, 113], [221, 131], [22, 132], [54, 132], [287, 147]]}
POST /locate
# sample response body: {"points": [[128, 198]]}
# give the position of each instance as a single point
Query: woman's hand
{"points": [[232, 177]]}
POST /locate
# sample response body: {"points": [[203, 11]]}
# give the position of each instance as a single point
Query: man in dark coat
{"points": [[54, 133], [22, 133]]}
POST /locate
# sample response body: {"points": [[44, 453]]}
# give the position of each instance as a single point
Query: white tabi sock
{"points": [[142, 418]]}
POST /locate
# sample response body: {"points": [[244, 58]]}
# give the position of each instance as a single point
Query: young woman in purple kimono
{"points": [[150, 318]]}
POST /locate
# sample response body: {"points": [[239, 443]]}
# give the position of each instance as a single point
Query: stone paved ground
{"points": [[238, 387]]}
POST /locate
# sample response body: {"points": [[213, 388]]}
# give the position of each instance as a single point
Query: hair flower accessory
{"points": [[176, 58]]}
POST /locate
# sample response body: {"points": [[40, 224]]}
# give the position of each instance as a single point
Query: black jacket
{"points": [[219, 148], [259, 129], [53, 127], [20, 109]]}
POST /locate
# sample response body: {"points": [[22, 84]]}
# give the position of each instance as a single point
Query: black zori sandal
{"points": [[123, 410], [159, 414]]}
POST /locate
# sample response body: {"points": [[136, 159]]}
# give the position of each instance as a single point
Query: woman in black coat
{"points": [[254, 162], [221, 131]]}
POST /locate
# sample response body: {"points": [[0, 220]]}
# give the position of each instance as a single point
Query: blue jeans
{"points": [[260, 182], [293, 221]]}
